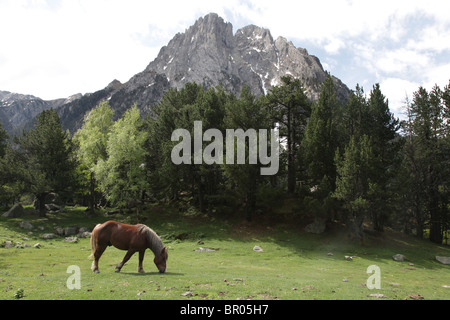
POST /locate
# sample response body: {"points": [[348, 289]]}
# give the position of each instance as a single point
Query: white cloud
{"points": [[396, 90], [403, 60]]}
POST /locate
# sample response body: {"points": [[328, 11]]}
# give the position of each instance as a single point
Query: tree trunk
{"points": [[92, 195], [291, 153], [436, 235], [40, 197]]}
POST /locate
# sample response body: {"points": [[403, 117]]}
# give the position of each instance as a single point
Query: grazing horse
{"points": [[133, 238]]}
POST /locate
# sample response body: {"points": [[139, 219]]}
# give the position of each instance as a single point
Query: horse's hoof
{"points": [[141, 271], [96, 271], [117, 270]]}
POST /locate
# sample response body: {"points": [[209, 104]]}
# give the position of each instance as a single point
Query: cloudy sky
{"points": [[56, 48]]}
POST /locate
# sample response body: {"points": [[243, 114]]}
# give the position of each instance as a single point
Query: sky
{"points": [[56, 48]]}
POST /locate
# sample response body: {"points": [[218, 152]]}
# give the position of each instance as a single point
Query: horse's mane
{"points": [[155, 243]]}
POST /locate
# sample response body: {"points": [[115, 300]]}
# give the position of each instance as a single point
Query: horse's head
{"points": [[160, 261]]}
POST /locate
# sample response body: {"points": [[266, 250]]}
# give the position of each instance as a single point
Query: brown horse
{"points": [[133, 238]]}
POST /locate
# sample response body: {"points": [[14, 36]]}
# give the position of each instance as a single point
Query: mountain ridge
{"points": [[207, 53]]}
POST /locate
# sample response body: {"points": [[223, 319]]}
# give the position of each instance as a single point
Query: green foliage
{"points": [[3, 141], [92, 138], [426, 161], [353, 182], [45, 160], [122, 174], [91, 141], [322, 136], [340, 162], [289, 109]]}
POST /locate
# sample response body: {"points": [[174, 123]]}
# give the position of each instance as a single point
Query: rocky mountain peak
{"points": [[207, 53]]}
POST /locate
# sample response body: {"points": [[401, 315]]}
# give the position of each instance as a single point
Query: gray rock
{"points": [[205, 250], [52, 207], [16, 211], [70, 231], [443, 260], [59, 231], [37, 245], [85, 234], [399, 257], [49, 236], [8, 244], [71, 239], [26, 225], [257, 249]]}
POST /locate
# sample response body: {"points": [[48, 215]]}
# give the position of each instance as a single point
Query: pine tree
{"points": [[3, 141], [290, 109], [382, 127], [353, 182], [426, 159], [322, 138], [246, 113], [47, 156]]}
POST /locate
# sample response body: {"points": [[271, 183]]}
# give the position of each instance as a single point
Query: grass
{"points": [[294, 265]]}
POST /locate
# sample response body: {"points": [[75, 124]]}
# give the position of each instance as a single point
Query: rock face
{"points": [[16, 110], [209, 54]]}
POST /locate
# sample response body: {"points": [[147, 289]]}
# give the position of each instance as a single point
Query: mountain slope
{"points": [[209, 54]]}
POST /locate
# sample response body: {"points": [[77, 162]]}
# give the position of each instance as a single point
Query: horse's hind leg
{"points": [[97, 254], [125, 259]]}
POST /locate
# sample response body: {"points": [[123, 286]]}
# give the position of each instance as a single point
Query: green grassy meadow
{"points": [[293, 265]]}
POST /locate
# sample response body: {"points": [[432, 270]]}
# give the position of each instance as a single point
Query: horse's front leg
{"points": [[125, 259], [141, 259]]}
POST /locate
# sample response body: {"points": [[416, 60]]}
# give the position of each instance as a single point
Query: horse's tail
{"points": [[93, 241]]}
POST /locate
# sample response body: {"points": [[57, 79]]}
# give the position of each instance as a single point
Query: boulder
{"points": [[70, 231], [84, 234], [59, 231], [71, 239], [15, 212], [443, 260], [52, 207], [8, 244], [26, 225], [49, 236], [398, 257], [257, 249]]}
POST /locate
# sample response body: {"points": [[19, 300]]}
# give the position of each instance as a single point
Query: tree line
{"points": [[354, 162]]}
